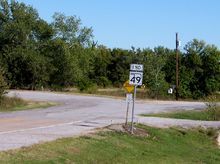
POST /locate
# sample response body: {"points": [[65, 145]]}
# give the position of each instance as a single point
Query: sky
{"points": [[140, 23]]}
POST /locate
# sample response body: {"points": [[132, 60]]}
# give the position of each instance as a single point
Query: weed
{"points": [[212, 108]]}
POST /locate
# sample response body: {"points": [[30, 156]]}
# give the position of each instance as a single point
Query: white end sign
{"points": [[136, 67]]}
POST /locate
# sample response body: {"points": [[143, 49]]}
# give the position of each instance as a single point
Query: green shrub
{"points": [[3, 86], [8, 103], [92, 89], [103, 81], [212, 107], [86, 85]]}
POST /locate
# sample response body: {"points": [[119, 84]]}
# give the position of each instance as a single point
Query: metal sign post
{"points": [[132, 118], [135, 78], [129, 89], [129, 98]]}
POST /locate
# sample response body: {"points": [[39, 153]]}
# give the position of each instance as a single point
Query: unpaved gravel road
{"points": [[77, 115]]}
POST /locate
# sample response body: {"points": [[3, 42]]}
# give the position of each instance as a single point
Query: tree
{"points": [[211, 69], [3, 85], [18, 23], [202, 66], [102, 59], [22, 36], [83, 65], [69, 29], [153, 69], [193, 62], [119, 66]]}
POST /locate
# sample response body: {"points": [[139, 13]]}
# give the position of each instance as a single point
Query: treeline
{"points": [[35, 54]]}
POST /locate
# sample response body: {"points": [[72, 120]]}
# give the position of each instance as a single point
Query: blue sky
{"points": [[140, 23]]}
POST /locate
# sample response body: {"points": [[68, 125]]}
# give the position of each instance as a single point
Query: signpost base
{"points": [[132, 118]]}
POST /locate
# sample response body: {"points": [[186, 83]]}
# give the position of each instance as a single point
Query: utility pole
{"points": [[177, 67]]}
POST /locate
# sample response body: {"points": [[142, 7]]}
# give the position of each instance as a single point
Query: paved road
{"points": [[77, 115]]}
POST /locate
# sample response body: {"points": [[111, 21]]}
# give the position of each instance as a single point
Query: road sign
{"points": [[136, 74], [170, 90], [128, 87], [136, 67], [136, 78]]}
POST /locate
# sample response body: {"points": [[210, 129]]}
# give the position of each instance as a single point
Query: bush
{"points": [[92, 89], [213, 108], [3, 86], [103, 81], [8, 103], [87, 86]]}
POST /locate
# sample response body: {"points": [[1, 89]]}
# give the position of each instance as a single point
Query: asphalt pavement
{"points": [[78, 115]]}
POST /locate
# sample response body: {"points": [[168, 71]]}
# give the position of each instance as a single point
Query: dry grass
{"points": [[8, 104]]}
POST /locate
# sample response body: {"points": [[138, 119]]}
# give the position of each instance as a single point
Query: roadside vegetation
{"points": [[204, 115], [111, 92], [35, 54], [211, 113], [153, 145], [9, 104]]}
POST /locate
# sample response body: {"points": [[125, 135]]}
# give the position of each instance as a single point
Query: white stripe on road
{"points": [[41, 127]]}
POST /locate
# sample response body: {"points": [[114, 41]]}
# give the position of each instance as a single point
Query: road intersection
{"points": [[77, 115]]}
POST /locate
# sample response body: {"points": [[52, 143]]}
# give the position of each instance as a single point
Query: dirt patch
{"points": [[127, 129]]}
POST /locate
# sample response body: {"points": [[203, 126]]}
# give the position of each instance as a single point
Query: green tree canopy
{"points": [[70, 29]]}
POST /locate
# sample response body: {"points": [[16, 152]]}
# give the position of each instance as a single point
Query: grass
{"points": [[9, 104], [203, 115], [112, 92], [120, 92], [160, 146]]}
